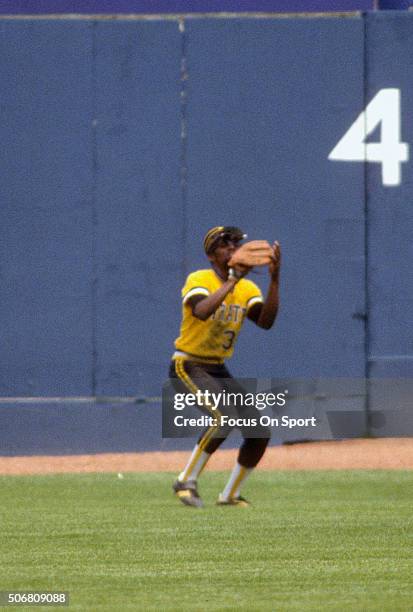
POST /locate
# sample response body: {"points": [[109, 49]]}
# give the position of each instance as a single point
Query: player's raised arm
{"points": [[220, 248], [265, 314], [203, 307]]}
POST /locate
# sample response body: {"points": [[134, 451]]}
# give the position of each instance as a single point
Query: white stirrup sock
{"points": [[237, 478], [195, 465]]}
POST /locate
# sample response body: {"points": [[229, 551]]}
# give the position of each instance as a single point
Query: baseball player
{"points": [[215, 304]]}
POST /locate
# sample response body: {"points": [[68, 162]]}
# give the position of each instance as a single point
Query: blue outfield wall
{"points": [[46, 191], [36, 7], [390, 211], [124, 141]]}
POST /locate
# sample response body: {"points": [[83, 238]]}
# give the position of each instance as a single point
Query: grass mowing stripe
{"points": [[312, 541]]}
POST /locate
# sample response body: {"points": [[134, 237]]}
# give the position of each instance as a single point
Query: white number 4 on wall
{"points": [[390, 152]]}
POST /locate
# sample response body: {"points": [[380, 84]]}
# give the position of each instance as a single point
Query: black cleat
{"points": [[239, 501], [188, 493]]}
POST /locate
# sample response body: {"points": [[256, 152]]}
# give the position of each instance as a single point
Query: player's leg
{"points": [[255, 442], [194, 377], [249, 456], [198, 377], [209, 441]]}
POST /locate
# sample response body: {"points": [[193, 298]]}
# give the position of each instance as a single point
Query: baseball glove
{"points": [[253, 253]]}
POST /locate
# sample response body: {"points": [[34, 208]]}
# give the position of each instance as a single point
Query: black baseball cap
{"points": [[215, 234]]}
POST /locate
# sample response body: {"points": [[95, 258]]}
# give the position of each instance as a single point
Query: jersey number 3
{"points": [[230, 339]]}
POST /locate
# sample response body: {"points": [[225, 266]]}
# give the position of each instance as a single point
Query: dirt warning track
{"points": [[381, 454]]}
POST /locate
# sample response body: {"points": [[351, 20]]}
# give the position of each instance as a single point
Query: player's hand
{"points": [[275, 263]]}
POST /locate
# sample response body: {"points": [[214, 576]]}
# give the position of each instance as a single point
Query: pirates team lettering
{"points": [[233, 312]]}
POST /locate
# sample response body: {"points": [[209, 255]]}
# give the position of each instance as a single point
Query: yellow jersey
{"points": [[214, 339]]}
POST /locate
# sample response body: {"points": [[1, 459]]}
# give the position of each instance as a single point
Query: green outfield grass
{"points": [[313, 541]]}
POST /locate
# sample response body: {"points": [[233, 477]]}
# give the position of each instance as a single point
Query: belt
{"points": [[190, 357]]}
